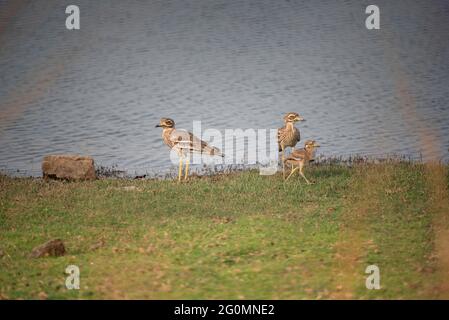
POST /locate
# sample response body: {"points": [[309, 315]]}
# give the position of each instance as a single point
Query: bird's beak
{"points": [[316, 145], [158, 125], [300, 119]]}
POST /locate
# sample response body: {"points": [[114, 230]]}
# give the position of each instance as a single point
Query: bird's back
{"points": [[186, 142]]}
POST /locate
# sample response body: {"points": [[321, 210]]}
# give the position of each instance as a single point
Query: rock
{"points": [[71, 167], [53, 248]]}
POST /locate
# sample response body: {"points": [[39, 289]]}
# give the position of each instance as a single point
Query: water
{"points": [[231, 64]]}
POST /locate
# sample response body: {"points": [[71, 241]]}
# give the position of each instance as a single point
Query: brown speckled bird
{"points": [[184, 143], [288, 136], [301, 157]]}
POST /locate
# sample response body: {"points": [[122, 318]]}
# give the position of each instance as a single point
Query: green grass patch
{"points": [[235, 236]]}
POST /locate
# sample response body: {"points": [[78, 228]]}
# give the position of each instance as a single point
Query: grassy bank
{"points": [[232, 236]]}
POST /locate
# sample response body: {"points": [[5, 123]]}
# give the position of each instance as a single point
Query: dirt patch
{"points": [[439, 206], [354, 243], [436, 174]]}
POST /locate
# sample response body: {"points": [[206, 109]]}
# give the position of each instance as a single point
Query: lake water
{"points": [[243, 64]]}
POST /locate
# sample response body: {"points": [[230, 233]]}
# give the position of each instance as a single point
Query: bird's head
{"points": [[293, 117], [310, 145], [166, 123]]}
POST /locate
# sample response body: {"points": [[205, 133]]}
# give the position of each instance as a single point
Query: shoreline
{"points": [[164, 173]]}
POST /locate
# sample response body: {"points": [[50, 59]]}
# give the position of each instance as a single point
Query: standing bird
{"points": [[184, 143], [288, 136], [301, 157]]}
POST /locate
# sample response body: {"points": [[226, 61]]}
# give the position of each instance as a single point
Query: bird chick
{"points": [[301, 157]]}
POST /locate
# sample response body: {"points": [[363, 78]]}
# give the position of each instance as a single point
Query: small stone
{"points": [[53, 248], [42, 295], [3, 297], [97, 245]]}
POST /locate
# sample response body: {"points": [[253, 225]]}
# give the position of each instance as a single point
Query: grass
{"points": [[234, 236]]}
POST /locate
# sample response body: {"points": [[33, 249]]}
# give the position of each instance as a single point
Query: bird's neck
{"points": [[310, 153], [167, 131], [289, 125]]}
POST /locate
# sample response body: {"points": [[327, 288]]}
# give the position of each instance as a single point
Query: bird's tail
{"points": [[196, 145], [213, 151]]}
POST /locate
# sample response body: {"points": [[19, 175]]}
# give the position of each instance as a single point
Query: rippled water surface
{"points": [[231, 64]]}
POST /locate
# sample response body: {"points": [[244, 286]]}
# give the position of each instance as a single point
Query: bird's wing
{"points": [[186, 141], [282, 136], [298, 154], [297, 135]]}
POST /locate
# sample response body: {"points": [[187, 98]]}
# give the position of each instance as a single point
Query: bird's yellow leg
{"points": [[283, 163], [302, 174], [187, 168], [291, 173], [180, 169]]}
